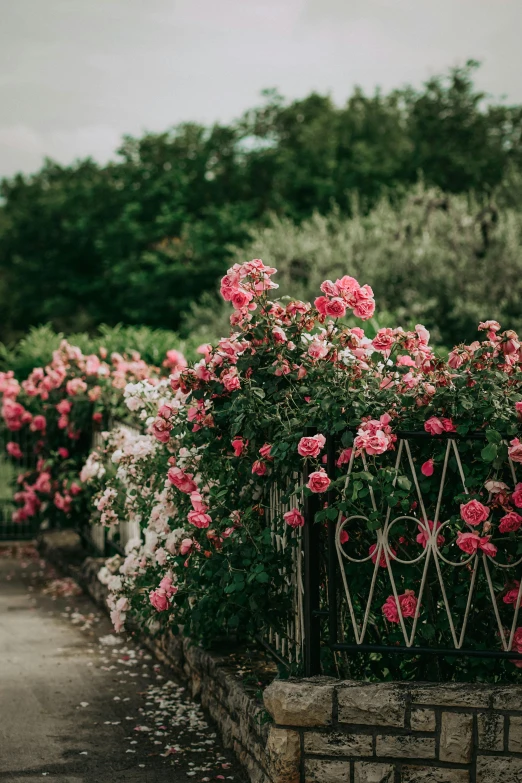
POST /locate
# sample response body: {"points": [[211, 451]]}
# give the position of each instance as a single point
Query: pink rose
{"points": [[511, 596], [294, 518], [423, 537], [240, 299], [64, 407], [510, 522], [265, 451], [63, 452], [166, 411], [516, 497], [38, 424], [186, 546], [468, 542], [515, 450], [75, 386], [427, 468], [383, 340], [364, 309], [161, 430], [318, 481], [311, 447], [199, 519], [487, 547], [230, 380], [14, 450], [159, 600], [259, 467], [344, 457], [239, 445], [474, 512], [407, 603], [183, 481], [335, 308], [344, 537], [320, 304], [382, 560], [434, 426]]}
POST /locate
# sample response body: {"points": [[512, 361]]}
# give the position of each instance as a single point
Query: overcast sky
{"points": [[77, 74]]}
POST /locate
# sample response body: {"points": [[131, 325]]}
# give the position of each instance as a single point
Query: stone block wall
{"points": [[327, 731]]}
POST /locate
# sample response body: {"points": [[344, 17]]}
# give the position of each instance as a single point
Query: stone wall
{"points": [[327, 731]]}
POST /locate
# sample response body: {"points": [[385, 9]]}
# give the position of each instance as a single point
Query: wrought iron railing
{"points": [[458, 613]]}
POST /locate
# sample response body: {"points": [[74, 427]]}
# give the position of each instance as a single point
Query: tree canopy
{"points": [[137, 240]]}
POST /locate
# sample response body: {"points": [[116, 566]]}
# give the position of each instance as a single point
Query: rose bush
{"points": [[226, 432]]}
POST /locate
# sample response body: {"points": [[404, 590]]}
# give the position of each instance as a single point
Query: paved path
{"points": [[80, 705]]}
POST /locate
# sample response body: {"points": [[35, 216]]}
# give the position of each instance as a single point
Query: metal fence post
{"points": [[311, 585], [332, 551]]}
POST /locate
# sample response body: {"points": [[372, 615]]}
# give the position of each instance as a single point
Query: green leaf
{"points": [[493, 436], [404, 482], [489, 452], [258, 392]]}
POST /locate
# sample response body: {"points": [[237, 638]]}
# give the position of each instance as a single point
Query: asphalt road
{"points": [[81, 705]]}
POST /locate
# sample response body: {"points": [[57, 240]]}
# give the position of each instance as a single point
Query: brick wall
{"points": [[326, 731]]}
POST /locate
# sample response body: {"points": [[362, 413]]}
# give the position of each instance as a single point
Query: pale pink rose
{"points": [[161, 556], [14, 450], [364, 309], [317, 349], [434, 426], [510, 522], [515, 450], [423, 334], [311, 447], [495, 487], [427, 468], [166, 411], [118, 620], [474, 512], [159, 600], [294, 518], [318, 481], [335, 308], [373, 443], [167, 586], [259, 467], [279, 335], [199, 519], [405, 361], [516, 497], [183, 481], [265, 451]]}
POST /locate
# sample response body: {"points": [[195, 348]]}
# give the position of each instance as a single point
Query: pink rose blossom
{"points": [[294, 518], [516, 497], [515, 450], [511, 596], [259, 467], [474, 513], [311, 447], [159, 600], [161, 430], [199, 519], [423, 537], [428, 468], [265, 451], [183, 481], [510, 522], [382, 560], [335, 308], [344, 457], [239, 445], [434, 426], [364, 309], [318, 481], [14, 450], [407, 604]]}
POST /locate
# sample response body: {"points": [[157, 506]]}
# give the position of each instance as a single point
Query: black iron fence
{"points": [[400, 550]]}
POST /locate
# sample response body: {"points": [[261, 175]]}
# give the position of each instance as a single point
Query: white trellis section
{"points": [[430, 552], [289, 645]]}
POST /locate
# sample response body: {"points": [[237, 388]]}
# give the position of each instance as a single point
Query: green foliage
{"points": [[436, 259], [35, 349], [137, 240]]}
